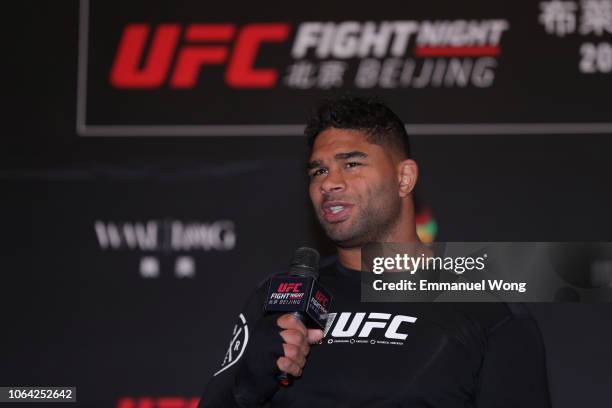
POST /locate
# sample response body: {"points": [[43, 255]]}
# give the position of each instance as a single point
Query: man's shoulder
{"points": [[489, 317]]}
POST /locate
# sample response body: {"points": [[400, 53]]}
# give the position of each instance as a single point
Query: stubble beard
{"points": [[374, 223]]}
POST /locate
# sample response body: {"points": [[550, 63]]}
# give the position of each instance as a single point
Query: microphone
{"points": [[300, 294]]}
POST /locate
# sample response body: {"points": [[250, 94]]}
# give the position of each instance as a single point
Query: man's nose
{"points": [[333, 182]]}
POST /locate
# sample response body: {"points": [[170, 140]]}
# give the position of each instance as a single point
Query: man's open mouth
{"points": [[335, 211]]}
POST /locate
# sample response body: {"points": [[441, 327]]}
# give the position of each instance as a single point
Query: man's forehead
{"points": [[332, 141]]}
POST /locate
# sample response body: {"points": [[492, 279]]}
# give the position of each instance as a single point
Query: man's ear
{"points": [[408, 172]]}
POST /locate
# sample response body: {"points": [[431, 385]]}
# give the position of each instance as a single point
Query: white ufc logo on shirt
{"points": [[348, 324]]}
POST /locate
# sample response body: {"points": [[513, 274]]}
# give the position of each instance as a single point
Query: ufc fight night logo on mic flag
{"points": [[299, 294]]}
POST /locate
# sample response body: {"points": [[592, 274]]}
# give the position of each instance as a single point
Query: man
{"points": [[376, 354]]}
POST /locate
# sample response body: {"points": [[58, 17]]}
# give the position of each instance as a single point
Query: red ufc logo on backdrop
{"points": [[160, 402], [289, 287], [203, 44]]}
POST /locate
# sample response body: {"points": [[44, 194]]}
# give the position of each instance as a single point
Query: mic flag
{"points": [[299, 294], [299, 291]]}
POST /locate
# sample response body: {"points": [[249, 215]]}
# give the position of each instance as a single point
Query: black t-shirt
{"points": [[402, 354]]}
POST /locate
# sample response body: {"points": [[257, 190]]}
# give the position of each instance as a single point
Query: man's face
{"points": [[353, 188]]}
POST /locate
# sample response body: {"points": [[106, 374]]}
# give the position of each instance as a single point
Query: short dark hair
{"points": [[368, 115]]}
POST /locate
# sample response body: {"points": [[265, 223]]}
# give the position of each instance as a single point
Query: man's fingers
{"points": [[293, 337], [288, 366], [314, 335], [295, 353], [290, 322], [296, 346]]}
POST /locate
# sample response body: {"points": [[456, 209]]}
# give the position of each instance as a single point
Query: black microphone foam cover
{"points": [[305, 263]]}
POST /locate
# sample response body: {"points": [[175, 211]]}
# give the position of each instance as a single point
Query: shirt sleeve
{"points": [[513, 372], [219, 391]]}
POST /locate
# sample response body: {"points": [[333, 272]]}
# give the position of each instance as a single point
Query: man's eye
{"points": [[318, 172], [352, 164]]}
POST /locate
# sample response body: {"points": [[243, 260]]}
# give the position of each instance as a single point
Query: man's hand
{"points": [[297, 340], [277, 343]]}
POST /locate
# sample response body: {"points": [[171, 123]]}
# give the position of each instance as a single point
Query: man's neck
{"points": [[350, 257]]}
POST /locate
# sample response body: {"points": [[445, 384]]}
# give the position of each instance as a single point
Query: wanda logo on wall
{"points": [[157, 68]]}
